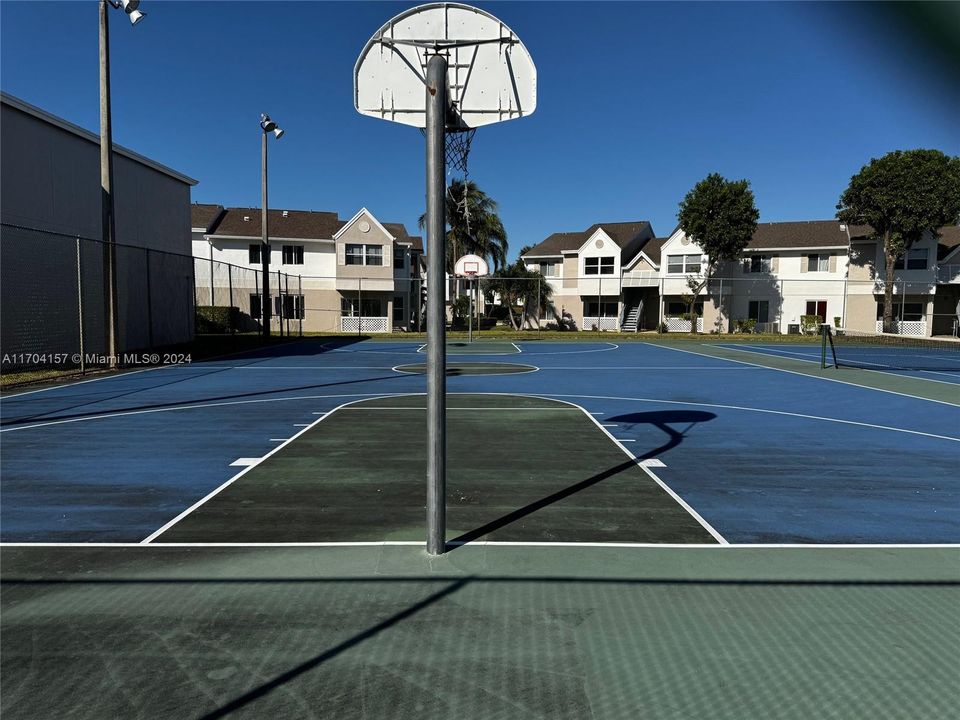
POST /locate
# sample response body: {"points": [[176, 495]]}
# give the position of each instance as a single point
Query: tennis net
{"points": [[878, 351]]}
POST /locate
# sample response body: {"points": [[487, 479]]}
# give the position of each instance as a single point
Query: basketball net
{"points": [[456, 150]]}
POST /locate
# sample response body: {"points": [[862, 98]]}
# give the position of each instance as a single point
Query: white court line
{"points": [[517, 347], [199, 365], [245, 462], [199, 406], [627, 440], [889, 371], [758, 410], [278, 439], [696, 516], [531, 368], [106, 376], [301, 424], [613, 346], [586, 414], [497, 543], [610, 424], [806, 375], [229, 482]]}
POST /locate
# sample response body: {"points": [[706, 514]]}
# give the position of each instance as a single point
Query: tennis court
{"points": [[639, 529]]}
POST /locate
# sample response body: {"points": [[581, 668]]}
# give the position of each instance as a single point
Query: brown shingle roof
{"points": [[204, 216], [557, 243], [811, 233], [398, 230], [416, 242], [949, 240], [630, 236], [301, 224]]}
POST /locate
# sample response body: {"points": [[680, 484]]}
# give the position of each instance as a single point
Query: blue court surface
{"points": [[939, 365], [762, 455]]}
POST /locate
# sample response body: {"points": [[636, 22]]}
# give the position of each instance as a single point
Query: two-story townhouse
{"points": [[326, 275], [584, 270], [926, 285], [377, 275], [816, 268]]}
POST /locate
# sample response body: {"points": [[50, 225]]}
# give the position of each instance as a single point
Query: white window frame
{"points": [[687, 263], [821, 264]]}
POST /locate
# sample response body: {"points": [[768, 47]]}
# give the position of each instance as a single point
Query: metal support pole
{"points": [[108, 224], [280, 303], [359, 305], [233, 328], [469, 312], [265, 310], [719, 323], [83, 360], [149, 305], [538, 307], [436, 101], [302, 308], [213, 296]]}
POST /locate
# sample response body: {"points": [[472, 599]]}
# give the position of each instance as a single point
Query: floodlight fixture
{"points": [[269, 125], [130, 7]]}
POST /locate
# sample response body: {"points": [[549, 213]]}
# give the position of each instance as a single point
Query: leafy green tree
{"points": [[482, 234], [901, 196], [516, 285], [721, 217]]}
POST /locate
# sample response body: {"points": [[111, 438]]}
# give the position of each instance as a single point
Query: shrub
{"points": [[809, 323], [746, 326], [212, 320]]}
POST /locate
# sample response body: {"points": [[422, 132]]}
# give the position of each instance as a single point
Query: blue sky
{"points": [[637, 102]]}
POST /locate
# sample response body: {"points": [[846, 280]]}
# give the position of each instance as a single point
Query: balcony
{"points": [[360, 324]]}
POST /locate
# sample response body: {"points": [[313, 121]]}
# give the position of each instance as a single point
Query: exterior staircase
{"points": [[631, 318]]}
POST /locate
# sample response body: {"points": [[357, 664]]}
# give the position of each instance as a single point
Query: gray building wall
{"points": [[50, 180]]}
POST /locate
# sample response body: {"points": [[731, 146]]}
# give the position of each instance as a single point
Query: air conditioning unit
{"points": [[775, 328]]}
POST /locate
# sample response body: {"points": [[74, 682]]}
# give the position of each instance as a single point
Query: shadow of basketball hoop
{"points": [[664, 420]]}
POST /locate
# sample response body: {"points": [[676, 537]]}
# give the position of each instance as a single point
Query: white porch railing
{"points": [[915, 328], [948, 273], [675, 324], [364, 324], [601, 323]]}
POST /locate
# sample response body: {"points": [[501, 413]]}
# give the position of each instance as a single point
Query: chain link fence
{"points": [[53, 313]]}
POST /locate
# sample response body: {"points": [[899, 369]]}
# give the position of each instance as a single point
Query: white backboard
{"points": [[491, 76], [471, 266]]}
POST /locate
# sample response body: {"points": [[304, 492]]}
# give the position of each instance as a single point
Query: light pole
{"points": [[267, 126], [108, 225]]}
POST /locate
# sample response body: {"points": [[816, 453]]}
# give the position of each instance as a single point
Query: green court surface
{"points": [[518, 469], [471, 368], [480, 347], [483, 632]]}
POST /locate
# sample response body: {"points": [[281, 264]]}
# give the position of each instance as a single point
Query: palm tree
{"points": [[481, 234], [517, 286]]}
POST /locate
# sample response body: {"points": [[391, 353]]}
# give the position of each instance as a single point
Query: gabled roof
{"points": [[949, 241], [205, 216], [630, 236], [298, 224], [416, 242]]}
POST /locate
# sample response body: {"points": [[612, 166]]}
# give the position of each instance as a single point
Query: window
{"points": [[398, 314], [374, 254], [818, 263], [293, 254], [399, 256], [255, 253], [679, 264], [759, 310], [367, 307], [916, 260], [905, 311], [255, 300], [818, 308], [292, 306], [549, 269], [550, 314], [598, 266], [604, 309], [364, 255], [757, 264], [675, 308]]}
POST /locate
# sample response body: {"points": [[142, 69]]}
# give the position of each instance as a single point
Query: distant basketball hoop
{"points": [[471, 266]]}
